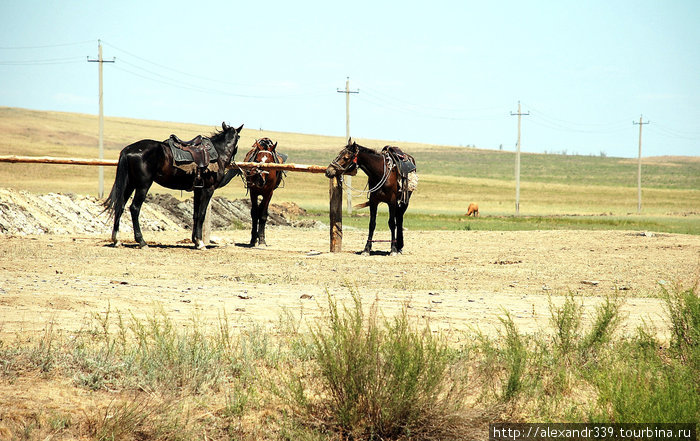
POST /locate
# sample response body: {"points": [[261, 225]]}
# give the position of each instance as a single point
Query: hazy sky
{"points": [[440, 72]]}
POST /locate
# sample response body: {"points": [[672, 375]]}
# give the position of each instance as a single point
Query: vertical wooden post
{"points": [[100, 190], [348, 178], [206, 226], [336, 214], [639, 166], [517, 163], [101, 169]]}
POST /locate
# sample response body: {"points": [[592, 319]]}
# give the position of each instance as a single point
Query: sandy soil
{"points": [[459, 280]]}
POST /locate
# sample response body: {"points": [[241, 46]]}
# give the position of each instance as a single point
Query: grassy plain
{"points": [[557, 191], [125, 377]]}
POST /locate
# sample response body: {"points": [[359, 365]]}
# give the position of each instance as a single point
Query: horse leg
{"points": [[255, 217], [372, 225], [202, 196], [263, 212], [118, 211], [135, 209], [392, 227], [399, 227]]}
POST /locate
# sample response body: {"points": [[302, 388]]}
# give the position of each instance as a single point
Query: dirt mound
{"points": [[22, 212]]}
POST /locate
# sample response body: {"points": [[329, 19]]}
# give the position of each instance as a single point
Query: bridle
{"points": [[352, 163], [261, 146], [388, 166]]}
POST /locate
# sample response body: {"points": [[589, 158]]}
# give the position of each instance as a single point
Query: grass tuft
{"points": [[379, 378]]}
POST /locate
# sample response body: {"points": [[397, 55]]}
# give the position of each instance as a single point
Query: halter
{"points": [[352, 163], [388, 166], [263, 145]]}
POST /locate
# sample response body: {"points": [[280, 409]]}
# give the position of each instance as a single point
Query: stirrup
{"points": [[198, 181]]}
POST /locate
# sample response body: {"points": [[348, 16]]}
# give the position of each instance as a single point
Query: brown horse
{"points": [[384, 180], [147, 161], [473, 209], [261, 184]]}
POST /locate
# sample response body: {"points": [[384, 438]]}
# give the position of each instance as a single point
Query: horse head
{"points": [[265, 144], [263, 152], [345, 162], [226, 141]]}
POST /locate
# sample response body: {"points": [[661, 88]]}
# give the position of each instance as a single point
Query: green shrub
{"points": [[380, 378], [683, 307], [645, 383], [515, 355]]}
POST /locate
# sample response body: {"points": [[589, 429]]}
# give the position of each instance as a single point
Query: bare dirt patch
{"points": [[459, 280]]}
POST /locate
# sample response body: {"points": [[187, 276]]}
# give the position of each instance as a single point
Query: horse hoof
{"points": [[143, 245], [116, 244], [200, 245]]}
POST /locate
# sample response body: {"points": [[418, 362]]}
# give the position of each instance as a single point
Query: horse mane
{"points": [[362, 149], [216, 135]]}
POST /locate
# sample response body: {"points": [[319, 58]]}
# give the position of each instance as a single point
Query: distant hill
{"points": [[450, 176]]}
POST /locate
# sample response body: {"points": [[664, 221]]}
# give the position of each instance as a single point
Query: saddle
{"points": [[404, 162], [197, 140], [406, 167], [194, 155]]}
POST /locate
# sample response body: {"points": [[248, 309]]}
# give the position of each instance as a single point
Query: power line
{"points": [[78, 43], [188, 85], [42, 62]]}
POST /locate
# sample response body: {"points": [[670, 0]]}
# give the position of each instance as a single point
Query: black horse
{"points": [[386, 184], [147, 161], [261, 183]]}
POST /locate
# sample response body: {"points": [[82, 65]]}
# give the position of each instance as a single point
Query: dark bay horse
{"points": [[261, 184], [147, 161], [383, 181]]}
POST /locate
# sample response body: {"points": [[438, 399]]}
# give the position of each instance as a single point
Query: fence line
{"points": [[113, 162], [335, 192]]}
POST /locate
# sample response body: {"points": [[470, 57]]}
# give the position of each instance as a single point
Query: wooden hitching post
{"points": [[336, 214], [206, 226]]}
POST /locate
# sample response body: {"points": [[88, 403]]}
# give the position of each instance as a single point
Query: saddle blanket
{"points": [[182, 156]]}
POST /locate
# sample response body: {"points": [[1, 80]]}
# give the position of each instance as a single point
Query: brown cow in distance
{"points": [[473, 209]]}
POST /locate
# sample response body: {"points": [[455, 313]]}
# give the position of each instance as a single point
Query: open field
{"points": [[450, 177], [66, 303], [75, 312]]}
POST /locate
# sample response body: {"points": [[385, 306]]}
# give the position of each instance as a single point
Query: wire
{"points": [[390, 99], [162, 79], [542, 119], [671, 133], [43, 62], [78, 43], [320, 90], [413, 111]]}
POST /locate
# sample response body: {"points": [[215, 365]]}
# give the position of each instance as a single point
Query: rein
{"points": [[385, 175]]}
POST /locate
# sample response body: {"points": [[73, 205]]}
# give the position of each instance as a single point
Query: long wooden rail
{"points": [[335, 192], [113, 162]]}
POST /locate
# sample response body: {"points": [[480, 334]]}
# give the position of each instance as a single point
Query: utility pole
{"points": [[347, 92], [639, 165], [517, 162], [101, 117]]}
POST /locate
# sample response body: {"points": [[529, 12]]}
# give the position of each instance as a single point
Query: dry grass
{"points": [[450, 177]]}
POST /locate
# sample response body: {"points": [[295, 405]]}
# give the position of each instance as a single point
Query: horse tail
{"points": [[362, 205], [116, 196]]}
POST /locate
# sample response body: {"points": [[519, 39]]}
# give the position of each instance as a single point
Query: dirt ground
{"points": [[460, 280]]}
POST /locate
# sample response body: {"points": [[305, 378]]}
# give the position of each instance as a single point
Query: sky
{"points": [[439, 72]]}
